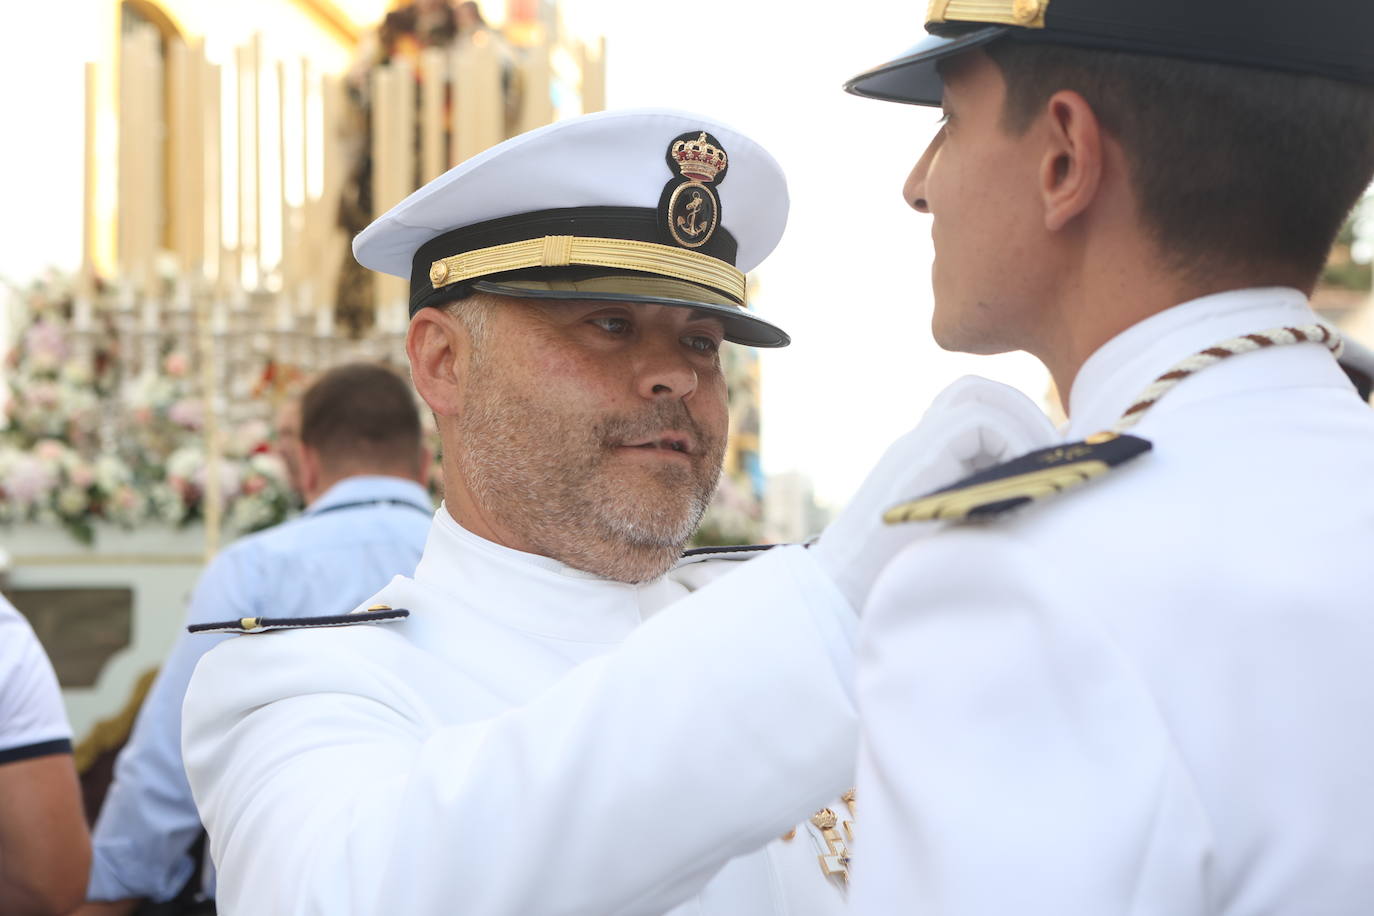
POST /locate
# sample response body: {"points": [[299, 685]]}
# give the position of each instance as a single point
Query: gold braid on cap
{"points": [[569, 250], [1028, 14]]}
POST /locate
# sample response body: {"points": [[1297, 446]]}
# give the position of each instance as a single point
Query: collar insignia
{"points": [[689, 207], [1037, 475]]}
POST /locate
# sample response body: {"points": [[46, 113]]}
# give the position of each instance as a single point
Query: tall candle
{"points": [[86, 289], [152, 317], [432, 128], [210, 179], [324, 322], [219, 320], [154, 189], [83, 317]]}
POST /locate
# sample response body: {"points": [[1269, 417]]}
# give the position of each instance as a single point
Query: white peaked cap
{"points": [[648, 205]]}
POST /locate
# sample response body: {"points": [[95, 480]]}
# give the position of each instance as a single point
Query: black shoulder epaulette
{"points": [[1037, 475], [741, 552], [378, 613]]}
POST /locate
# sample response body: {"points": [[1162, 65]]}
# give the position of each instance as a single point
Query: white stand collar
{"points": [[534, 593], [1120, 369]]}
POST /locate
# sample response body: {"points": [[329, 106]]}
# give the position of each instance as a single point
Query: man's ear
{"points": [[439, 348], [1071, 168]]}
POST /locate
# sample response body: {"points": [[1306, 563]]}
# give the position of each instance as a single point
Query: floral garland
{"points": [[79, 446]]}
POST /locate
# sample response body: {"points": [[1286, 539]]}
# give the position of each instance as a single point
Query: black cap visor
{"points": [[624, 286], [913, 77]]}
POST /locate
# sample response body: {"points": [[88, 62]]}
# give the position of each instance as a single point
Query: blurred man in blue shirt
{"points": [[362, 468]]}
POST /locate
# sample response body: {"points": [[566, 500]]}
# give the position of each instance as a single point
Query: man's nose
{"points": [[665, 370], [914, 191]]}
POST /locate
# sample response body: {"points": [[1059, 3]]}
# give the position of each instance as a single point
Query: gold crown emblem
{"points": [[699, 159]]}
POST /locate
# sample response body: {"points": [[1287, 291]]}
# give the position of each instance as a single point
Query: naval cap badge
{"points": [[689, 207]]}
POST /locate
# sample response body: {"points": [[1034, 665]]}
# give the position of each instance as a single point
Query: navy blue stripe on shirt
{"points": [[372, 502], [29, 751]]}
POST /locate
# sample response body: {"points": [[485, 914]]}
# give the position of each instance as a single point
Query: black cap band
{"points": [[639, 224]]}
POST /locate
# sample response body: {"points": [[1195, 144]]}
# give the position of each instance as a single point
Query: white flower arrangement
{"points": [[53, 469]]}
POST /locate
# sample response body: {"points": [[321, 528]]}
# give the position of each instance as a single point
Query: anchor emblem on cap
{"points": [[689, 208]]}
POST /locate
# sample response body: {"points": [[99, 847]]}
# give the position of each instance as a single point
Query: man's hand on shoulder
{"points": [[973, 424]]}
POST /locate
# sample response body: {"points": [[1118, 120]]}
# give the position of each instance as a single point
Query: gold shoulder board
{"points": [[1036, 475]]}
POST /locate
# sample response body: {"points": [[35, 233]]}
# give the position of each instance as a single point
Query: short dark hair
{"points": [[361, 416], [1232, 166]]}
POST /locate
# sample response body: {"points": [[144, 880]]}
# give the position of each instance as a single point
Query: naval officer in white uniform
{"points": [[546, 718], [1151, 694]]}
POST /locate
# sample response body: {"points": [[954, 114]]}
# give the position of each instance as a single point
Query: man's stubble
{"points": [[547, 473]]}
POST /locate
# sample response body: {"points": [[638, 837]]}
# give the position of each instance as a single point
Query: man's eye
{"points": [[701, 343], [612, 324]]}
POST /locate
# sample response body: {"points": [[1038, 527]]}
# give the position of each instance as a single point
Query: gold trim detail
{"points": [[250, 623], [959, 503], [1028, 14], [834, 860], [557, 251], [564, 250]]}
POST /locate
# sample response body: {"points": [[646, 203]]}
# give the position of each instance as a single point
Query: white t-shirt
{"points": [[32, 720]]}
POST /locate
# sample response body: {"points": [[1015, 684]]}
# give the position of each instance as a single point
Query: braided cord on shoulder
{"points": [[1246, 343]]}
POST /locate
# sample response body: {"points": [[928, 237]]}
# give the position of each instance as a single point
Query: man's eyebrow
{"points": [[703, 315]]}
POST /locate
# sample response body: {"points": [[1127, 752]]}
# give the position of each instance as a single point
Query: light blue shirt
{"points": [[346, 546]]}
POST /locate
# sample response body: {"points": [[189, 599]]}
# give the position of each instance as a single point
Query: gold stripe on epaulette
{"points": [[1028, 14], [957, 504], [566, 250]]}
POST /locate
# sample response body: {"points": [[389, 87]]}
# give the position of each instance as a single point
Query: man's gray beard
{"points": [[542, 475]]}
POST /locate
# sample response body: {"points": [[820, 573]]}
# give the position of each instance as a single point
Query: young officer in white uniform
{"points": [[526, 727], [1150, 694]]}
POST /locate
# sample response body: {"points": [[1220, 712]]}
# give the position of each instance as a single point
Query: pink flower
{"points": [[44, 344], [176, 364], [49, 450], [44, 395], [82, 476], [29, 479], [253, 485], [188, 413]]}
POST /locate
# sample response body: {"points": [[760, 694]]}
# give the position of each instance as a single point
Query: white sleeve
{"points": [[717, 726], [1012, 761], [32, 719]]}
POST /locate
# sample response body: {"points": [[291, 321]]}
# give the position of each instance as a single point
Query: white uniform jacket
{"points": [[527, 743], [1152, 694]]}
